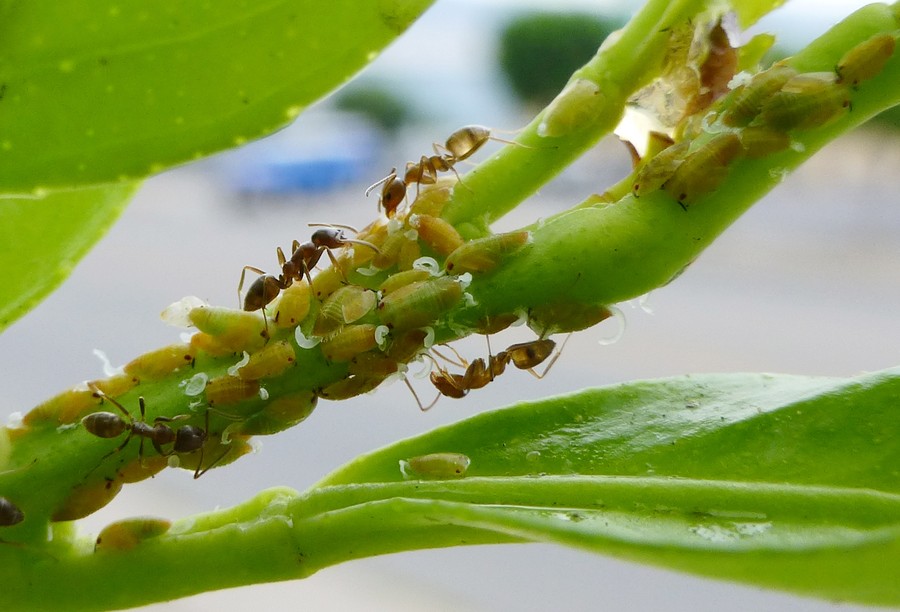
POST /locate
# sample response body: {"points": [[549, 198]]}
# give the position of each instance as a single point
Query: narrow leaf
{"points": [[41, 240]]}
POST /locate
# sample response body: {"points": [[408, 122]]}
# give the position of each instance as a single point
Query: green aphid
{"points": [[865, 60], [659, 169], [703, 170], [748, 100], [806, 101]]}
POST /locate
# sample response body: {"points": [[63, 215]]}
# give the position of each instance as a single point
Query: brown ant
{"points": [[304, 257], [478, 374], [185, 439], [460, 145]]}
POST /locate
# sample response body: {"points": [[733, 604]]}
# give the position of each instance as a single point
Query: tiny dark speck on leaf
{"points": [[102, 61], [2, 93]]}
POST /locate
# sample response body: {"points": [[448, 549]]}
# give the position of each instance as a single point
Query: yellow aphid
{"points": [[143, 468], [348, 342], [279, 414], [410, 251], [484, 254], [401, 279], [494, 323], [747, 101], [438, 234], [128, 533], [566, 317], [350, 387], [63, 409], [420, 304], [230, 390], [271, 360], [865, 60], [373, 363], [390, 249], [87, 498], [438, 466], [658, 169], [160, 363], [295, 304], [704, 169], [237, 330], [806, 101]]}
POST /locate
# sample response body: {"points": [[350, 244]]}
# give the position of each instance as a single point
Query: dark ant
{"points": [[304, 257], [185, 439], [460, 145], [10, 514]]}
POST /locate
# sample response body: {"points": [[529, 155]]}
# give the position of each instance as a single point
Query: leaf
{"points": [[41, 240], [92, 92], [779, 481]]}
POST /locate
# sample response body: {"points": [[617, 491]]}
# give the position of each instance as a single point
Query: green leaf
{"points": [[779, 481], [93, 92], [41, 240]]}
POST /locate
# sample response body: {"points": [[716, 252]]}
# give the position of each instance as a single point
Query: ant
{"points": [[185, 439], [478, 374], [10, 514], [304, 257], [460, 145]]}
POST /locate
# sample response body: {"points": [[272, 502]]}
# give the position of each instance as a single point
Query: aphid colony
{"points": [[380, 305], [758, 118]]}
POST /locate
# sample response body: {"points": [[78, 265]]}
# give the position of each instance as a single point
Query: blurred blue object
{"points": [[323, 150]]}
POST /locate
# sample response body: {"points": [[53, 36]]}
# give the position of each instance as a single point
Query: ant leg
{"points": [[415, 395], [243, 273]]}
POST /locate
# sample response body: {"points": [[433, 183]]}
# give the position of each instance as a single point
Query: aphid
{"points": [[160, 363], [279, 414], [227, 330], [225, 390], [294, 305], [419, 304], [484, 254], [438, 234], [658, 169], [759, 141], [438, 466], [65, 408], [748, 100], [566, 317], [348, 342], [865, 60], [10, 514], [704, 169], [350, 387], [185, 439], [393, 191], [347, 304], [128, 533], [401, 279], [271, 360], [806, 101], [87, 498]]}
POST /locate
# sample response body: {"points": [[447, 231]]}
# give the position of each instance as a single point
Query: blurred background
{"points": [[805, 283]]}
